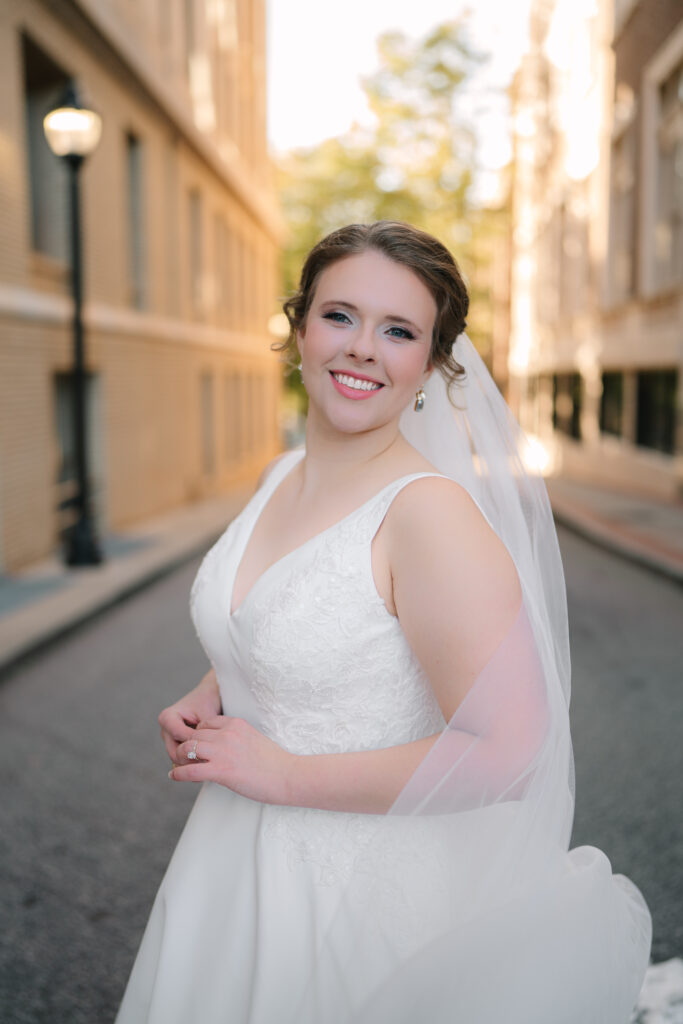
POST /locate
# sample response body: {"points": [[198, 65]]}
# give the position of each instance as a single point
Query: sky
{"points": [[318, 50]]}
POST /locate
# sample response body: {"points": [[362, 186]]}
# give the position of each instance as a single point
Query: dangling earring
{"points": [[300, 368], [419, 400]]}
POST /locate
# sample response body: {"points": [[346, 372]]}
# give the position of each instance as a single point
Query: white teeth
{"points": [[354, 382]]}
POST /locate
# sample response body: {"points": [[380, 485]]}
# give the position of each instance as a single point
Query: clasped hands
{"points": [[229, 751]]}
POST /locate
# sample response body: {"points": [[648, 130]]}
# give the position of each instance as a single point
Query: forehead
{"points": [[377, 285]]}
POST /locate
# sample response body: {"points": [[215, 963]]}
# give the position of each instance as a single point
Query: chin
{"points": [[358, 423]]}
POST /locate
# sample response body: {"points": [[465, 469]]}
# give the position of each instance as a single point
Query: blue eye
{"points": [[402, 333], [337, 316]]}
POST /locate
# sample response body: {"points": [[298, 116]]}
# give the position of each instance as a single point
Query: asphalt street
{"points": [[626, 634], [89, 818]]}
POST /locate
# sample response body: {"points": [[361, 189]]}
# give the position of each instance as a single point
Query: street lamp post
{"points": [[73, 131]]}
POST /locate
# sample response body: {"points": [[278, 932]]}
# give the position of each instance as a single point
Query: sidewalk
{"points": [[646, 530], [47, 600]]}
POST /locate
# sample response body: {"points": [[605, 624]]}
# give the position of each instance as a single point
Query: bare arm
{"points": [[365, 781], [457, 594]]}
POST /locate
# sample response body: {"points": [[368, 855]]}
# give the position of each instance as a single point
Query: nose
{"points": [[361, 344]]}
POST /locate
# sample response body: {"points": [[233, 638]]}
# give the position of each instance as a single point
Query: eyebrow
{"points": [[396, 318]]}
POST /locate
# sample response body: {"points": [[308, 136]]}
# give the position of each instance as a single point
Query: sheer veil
{"points": [[465, 903]]}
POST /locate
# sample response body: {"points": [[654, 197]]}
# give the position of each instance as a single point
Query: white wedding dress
{"points": [[314, 660]]}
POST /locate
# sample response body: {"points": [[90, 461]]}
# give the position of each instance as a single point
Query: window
{"points": [[257, 390], [547, 294], [668, 242], [232, 417], [574, 258], [622, 216], [239, 416], [622, 10], [135, 214], [240, 284], [612, 403], [252, 412], [567, 396], [222, 267], [207, 421], [236, 280], [44, 83], [656, 409], [194, 250], [189, 35]]}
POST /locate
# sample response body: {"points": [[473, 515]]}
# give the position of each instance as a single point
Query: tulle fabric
{"points": [[464, 903]]}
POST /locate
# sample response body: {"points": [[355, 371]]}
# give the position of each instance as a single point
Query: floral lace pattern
{"points": [[331, 842], [332, 671], [330, 668]]}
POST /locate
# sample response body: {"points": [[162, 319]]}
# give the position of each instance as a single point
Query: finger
{"points": [[194, 772], [174, 725], [204, 735], [170, 742], [170, 745], [192, 747], [215, 722]]}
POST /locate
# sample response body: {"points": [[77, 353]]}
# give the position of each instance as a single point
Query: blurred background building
{"points": [[575, 270], [596, 258], [181, 235]]}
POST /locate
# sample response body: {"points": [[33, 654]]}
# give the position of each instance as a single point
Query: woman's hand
{"points": [[179, 721], [233, 753]]}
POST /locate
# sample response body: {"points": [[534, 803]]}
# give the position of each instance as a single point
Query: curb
{"points": [[87, 592], [619, 540], [190, 531]]}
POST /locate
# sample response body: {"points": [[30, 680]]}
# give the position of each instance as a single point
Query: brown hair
{"points": [[415, 249]]}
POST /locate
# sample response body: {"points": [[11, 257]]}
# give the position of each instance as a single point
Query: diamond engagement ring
{"points": [[192, 755]]}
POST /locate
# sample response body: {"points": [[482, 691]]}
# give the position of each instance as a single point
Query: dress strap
{"points": [[380, 506], [279, 471]]}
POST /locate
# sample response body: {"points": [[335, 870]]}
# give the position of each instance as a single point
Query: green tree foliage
{"points": [[414, 164]]}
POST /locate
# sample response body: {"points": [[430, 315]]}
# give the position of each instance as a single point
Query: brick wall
{"points": [[149, 360]]}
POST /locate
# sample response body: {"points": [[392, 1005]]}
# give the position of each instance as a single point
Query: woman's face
{"points": [[366, 341]]}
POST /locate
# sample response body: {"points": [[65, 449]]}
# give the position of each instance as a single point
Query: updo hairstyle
{"points": [[402, 243]]}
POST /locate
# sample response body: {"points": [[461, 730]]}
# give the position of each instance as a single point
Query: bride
{"points": [[382, 830]]}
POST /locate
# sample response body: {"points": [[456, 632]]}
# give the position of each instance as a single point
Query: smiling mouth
{"points": [[356, 382]]}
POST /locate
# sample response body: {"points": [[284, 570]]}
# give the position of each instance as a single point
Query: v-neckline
{"points": [[233, 613]]}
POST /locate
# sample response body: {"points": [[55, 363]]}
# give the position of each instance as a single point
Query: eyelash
{"points": [[405, 333]]}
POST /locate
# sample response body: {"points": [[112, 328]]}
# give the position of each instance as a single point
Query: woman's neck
{"points": [[332, 456]]}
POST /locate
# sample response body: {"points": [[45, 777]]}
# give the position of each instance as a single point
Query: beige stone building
{"points": [[180, 236], [596, 343]]}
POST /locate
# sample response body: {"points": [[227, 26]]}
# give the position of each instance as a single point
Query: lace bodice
{"points": [[331, 669], [327, 667], [313, 658]]}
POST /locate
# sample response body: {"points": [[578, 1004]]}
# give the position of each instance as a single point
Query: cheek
{"points": [[319, 343], [407, 366]]}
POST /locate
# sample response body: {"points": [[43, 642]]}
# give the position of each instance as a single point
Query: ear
{"points": [[300, 340], [428, 370]]}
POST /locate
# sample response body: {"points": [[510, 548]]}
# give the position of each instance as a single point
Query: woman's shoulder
{"points": [[420, 503], [435, 529], [428, 501], [435, 516]]}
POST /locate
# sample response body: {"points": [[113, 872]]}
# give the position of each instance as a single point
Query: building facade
{"points": [[180, 236], [596, 353]]}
